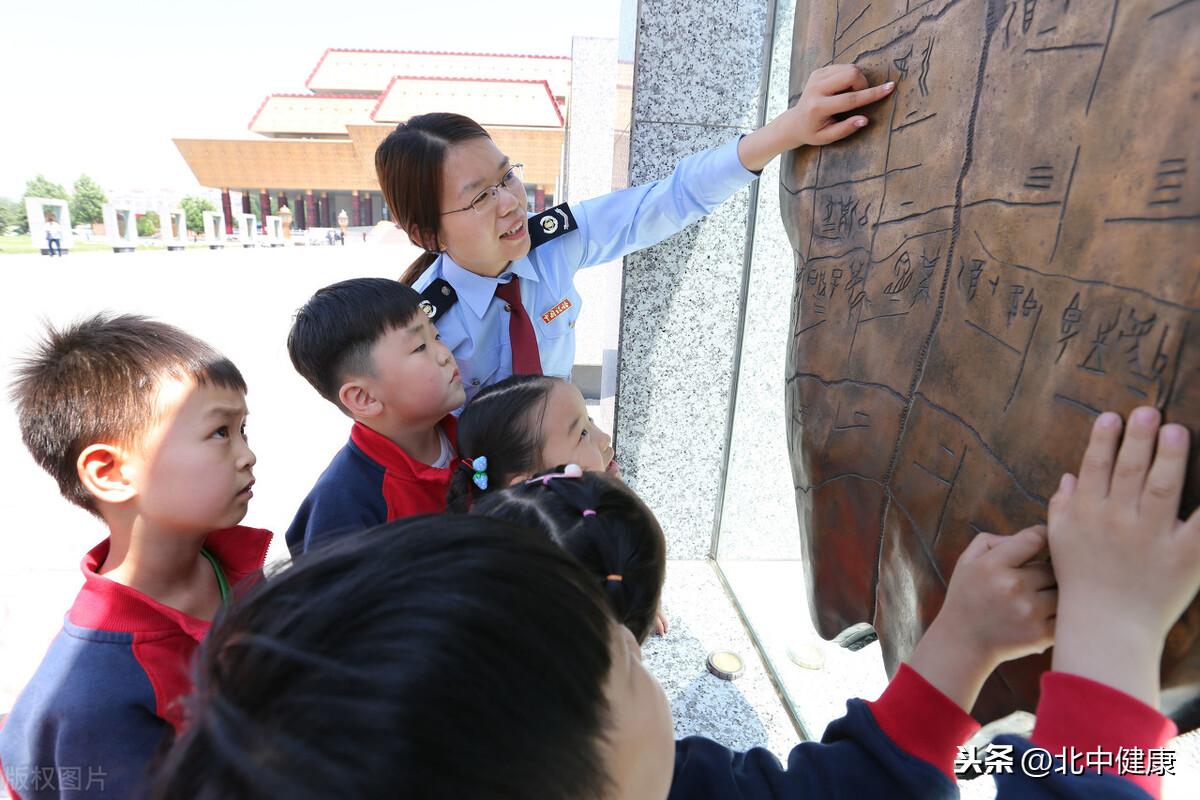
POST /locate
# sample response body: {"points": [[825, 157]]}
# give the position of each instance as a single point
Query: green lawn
{"points": [[23, 244]]}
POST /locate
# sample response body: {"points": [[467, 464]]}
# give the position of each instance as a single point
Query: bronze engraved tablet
{"points": [[1011, 246]]}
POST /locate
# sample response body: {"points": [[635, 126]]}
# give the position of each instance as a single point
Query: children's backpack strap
{"points": [[550, 224], [437, 299]]}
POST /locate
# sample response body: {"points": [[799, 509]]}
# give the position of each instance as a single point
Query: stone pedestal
{"points": [[120, 226], [274, 235], [247, 230], [680, 320], [172, 228], [215, 228]]}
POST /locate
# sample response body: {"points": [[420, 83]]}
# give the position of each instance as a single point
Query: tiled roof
{"points": [[371, 70], [311, 114], [488, 101]]}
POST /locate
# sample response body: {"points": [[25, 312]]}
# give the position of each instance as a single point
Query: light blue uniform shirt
{"points": [[608, 227]]}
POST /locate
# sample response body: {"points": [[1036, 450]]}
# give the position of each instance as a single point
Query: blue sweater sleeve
{"points": [[855, 759], [1029, 783], [85, 726], [348, 497], [326, 516]]}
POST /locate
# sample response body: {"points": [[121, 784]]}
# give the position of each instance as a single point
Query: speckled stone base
{"points": [[741, 713]]}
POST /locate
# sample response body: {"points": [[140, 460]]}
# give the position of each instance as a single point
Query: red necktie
{"points": [[526, 360]]}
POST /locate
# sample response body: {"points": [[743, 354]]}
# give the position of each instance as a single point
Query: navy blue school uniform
{"points": [[475, 327], [370, 481], [904, 744], [108, 693]]}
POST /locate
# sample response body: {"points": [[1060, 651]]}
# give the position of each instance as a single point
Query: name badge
{"points": [[562, 306]]}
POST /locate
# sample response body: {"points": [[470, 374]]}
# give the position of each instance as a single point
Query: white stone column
{"points": [[588, 159]]}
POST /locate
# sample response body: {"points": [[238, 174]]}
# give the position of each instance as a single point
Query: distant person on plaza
{"points": [[143, 426], [502, 284], [53, 235], [367, 346]]}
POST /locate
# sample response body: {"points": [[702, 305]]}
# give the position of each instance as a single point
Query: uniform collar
{"points": [[104, 604], [477, 291], [392, 457]]}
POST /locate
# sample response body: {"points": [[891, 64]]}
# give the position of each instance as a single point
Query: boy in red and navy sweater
{"points": [[144, 426], [368, 346]]}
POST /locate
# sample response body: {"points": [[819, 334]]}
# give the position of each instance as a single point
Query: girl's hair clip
{"points": [[478, 468], [569, 471]]}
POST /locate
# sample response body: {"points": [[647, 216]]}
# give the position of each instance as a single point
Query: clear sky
{"points": [[103, 87]]}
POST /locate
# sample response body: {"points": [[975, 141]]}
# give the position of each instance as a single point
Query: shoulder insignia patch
{"points": [[437, 299], [550, 224]]}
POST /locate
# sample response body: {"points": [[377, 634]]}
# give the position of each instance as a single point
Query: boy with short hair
{"points": [[367, 345], [143, 425]]}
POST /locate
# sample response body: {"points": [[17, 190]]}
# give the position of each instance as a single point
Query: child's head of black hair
{"points": [[602, 523], [503, 423], [335, 331], [433, 657], [98, 380]]}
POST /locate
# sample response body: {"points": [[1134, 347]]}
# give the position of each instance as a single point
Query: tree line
{"points": [[86, 205]]}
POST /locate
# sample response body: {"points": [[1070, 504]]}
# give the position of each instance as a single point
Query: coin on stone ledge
{"points": [[725, 665]]}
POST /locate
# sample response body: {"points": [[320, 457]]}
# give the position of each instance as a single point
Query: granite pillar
{"points": [[681, 299], [246, 207], [264, 206], [310, 203], [326, 217], [368, 212], [758, 521], [355, 209]]}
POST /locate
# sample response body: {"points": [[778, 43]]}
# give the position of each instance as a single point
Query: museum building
{"points": [[315, 153]]}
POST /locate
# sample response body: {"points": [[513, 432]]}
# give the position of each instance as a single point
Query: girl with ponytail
{"points": [[605, 526], [519, 427]]}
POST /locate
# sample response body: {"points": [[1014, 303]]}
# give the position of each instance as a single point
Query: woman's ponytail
{"points": [[416, 268]]}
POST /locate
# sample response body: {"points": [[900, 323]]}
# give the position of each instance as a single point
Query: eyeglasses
{"points": [[484, 200]]}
